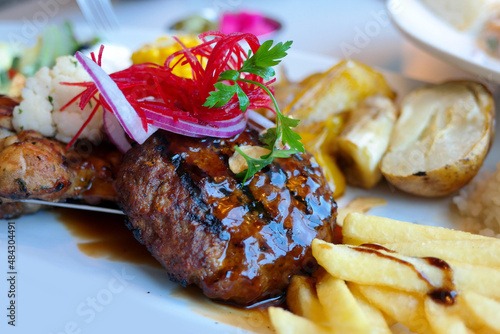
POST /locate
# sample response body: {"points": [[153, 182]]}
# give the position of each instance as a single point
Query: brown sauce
{"points": [[255, 319], [377, 247], [102, 235], [445, 294]]}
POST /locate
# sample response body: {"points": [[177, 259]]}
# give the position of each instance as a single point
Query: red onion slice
{"points": [[194, 129], [115, 131], [126, 115]]}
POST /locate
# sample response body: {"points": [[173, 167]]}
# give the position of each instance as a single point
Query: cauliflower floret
{"points": [[44, 96], [35, 111]]}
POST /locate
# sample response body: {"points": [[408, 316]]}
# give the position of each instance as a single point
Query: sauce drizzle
{"points": [[102, 235], [445, 294]]}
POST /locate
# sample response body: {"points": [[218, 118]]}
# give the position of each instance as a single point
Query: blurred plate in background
{"points": [[439, 38]]}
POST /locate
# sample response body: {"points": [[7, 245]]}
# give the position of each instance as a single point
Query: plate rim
{"points": [[477, 63]]}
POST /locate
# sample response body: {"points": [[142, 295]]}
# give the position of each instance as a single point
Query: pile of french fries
{"points": [[364, 292]]}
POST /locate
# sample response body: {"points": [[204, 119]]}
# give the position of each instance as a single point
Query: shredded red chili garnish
{"points": [[152, 88]]}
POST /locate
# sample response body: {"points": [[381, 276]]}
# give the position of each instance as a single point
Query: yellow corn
{"points": [[163, 47]]}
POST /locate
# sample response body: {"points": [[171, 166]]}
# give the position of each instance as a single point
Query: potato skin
{"points": [[445, 180], [451, 177]]}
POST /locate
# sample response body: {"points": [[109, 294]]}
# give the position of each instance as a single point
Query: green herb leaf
{"points": [[275, 139], [229, 75], [254, 164], [242, 98], [221, 96], [289, 136], [271, 57], [269, 138], [261, 62]]}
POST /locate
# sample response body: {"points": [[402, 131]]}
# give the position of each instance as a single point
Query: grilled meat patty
{"points": [[238, 244]]}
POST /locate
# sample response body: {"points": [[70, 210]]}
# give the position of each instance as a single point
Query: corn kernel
{"points": [[158, 51]]}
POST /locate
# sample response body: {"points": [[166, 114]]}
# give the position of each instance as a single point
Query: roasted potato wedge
{"points": [[440, 139], [337, 90], [364, 140], [318, 140], [324, 101]]}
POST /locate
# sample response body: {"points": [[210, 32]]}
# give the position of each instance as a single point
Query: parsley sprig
{"points": [[281, 141]]}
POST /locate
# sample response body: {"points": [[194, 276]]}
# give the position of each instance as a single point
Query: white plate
{"points": [[437, 37], [61, 290]]}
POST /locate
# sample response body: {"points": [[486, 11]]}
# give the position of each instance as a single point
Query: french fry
{"points": [[378, 323], [302, 300], [479, 279], [398, 286], [286, 322], [478, 252], [359, 228], [485, 310], [343, 313], [444, 319], [346, 263], [406, 308]]}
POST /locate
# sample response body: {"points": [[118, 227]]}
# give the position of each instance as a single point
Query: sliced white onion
{"points": [[126, 115], [115, 131]]}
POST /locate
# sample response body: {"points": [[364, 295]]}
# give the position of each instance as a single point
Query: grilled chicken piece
{"points": [[34, 167], [13, 209], [239, 244], [6, 108]]}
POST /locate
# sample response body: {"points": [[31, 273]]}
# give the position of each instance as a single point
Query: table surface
{"points": [[358, 29]]}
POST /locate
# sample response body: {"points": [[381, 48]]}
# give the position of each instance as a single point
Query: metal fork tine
{"points": [[104, 14], [111, 16], [100, 14], [75, 206], [87, 13]]}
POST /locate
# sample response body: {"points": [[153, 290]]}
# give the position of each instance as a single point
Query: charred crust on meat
{"points": [[420, 174], [59, 186], [307, 205], [187, 181], [22, 185], [136, 232], [254, 206]]}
